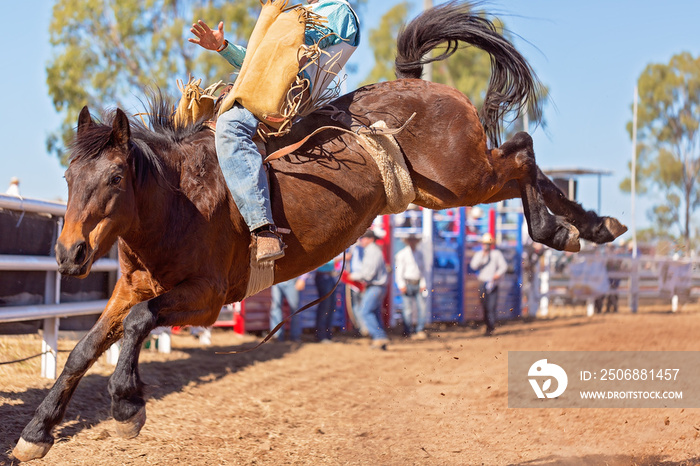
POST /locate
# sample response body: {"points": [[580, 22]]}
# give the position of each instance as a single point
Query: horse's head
{"points": [[101, 198]]}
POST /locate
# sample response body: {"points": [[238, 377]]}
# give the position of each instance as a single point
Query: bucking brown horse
{"points": [[184, 247]]}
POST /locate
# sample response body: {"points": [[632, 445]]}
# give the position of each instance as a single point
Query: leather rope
{"points": [[279, 153]]}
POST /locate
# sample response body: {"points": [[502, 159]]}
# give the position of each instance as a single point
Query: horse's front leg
{"points": [[36, 439], [194, 302]]}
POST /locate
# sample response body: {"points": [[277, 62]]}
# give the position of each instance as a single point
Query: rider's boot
{"points": [[269, 244]]}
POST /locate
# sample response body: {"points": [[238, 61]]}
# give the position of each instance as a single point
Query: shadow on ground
{"points": [[90, 404]]}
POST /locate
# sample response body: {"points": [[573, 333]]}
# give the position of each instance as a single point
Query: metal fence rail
{"points": [[52, 310], [48, 311], [21, 204], [9, 262], [644, 277]]}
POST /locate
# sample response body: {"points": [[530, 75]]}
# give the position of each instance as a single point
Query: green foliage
{"points": [[663, 218], [669, 150], [468, 70], [383, 43], [109, 53]]}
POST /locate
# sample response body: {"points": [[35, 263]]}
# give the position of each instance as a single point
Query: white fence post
{"points": [[674, 298], [590, 307], [49, 343], [533, 291], [49, 348], [112, 353], [634, 286], [543, 311], [164, 342]]}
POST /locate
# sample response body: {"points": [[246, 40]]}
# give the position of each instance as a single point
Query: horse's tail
{"points": [[513, 85]]}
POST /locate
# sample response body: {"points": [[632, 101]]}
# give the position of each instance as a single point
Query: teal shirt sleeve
{"points": [[341, 20], [234, 54], [327, 267]]}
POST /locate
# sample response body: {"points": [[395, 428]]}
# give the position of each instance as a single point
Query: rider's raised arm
{"points": [[234, 54], [214, 40]]}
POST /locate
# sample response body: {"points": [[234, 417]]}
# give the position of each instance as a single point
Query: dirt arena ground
{"points": [[438, 401]]}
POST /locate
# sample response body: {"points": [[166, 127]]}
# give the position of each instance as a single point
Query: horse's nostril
{"points": [[80, 252], [61, 253]]}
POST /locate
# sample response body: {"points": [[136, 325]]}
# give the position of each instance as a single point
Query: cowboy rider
{"points": [[240, 161]]}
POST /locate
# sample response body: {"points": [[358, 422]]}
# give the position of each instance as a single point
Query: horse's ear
{"points": [[84, 120], [121, 131]]}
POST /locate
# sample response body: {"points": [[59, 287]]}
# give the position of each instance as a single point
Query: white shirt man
{"points": [[410, 280]]}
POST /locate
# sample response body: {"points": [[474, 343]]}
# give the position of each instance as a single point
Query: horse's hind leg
{"points": [[553, 231], [36, 439], [190, 303], [591, 226]]}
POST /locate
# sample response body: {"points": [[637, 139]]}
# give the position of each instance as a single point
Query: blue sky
{"points": [[590, 54]]}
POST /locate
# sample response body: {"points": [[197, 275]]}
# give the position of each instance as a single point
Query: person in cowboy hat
{"points": [[490, 266], [13, 190], [374, 274], [410, 280]]}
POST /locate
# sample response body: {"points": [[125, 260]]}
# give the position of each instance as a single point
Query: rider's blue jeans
{"points": [[241, 164]]}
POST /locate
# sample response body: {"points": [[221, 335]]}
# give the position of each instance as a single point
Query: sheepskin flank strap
{"points": [[262, 274], [387, 154]]}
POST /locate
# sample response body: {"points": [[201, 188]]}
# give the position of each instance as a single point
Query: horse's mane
{"points": [[149, 144]]}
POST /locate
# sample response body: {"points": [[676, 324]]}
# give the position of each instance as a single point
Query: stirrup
{"points": [[269, 253]]}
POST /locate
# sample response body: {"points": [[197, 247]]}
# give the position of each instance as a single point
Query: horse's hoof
{"points": [[27, 451], [132, 426], [614, 227]]}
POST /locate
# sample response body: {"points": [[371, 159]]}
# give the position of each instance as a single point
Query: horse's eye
{"points": [[116, 179]]}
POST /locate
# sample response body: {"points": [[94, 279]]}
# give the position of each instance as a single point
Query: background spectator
{"points": [[288, 290], [490, 266], [410, 280], [13, 189], [325, 281], [373, 273]]}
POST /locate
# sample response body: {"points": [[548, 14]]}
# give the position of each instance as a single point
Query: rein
{"points": [[272, 332]]}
